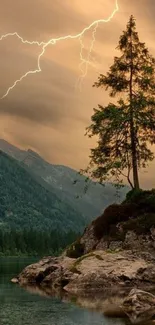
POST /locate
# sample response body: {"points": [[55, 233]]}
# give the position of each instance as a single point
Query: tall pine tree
{"points": [[125, 130]]}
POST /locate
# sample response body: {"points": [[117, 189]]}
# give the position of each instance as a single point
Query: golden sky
{"points": [[45, 112]]}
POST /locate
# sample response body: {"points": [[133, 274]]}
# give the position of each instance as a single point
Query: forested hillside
{"points": [[60, 180], [39, 209], [29, 213]]}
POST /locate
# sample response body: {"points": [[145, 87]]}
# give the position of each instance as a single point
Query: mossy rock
{"points": [[75, 250], [73, 269], [81, 258]]}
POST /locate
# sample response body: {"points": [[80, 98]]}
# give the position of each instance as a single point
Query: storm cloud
{"points": [[46, 112]]}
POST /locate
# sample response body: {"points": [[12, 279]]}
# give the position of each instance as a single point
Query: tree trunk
{"points": [[134, 153], [132, 130]]}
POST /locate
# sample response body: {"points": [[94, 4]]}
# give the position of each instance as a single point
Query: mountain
{"points": [[26, 204], [60, 179]]}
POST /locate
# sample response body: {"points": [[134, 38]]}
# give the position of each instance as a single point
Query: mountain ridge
{"points": [[60, 179]]}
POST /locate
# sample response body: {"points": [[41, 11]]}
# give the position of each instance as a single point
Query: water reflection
{"points": [[109, 302], [35, 306]]}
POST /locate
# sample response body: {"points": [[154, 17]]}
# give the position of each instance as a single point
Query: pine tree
{"points": [[125, 130]]}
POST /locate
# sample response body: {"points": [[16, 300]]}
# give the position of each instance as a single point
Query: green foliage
{"points": [[113, 251], [74, 269], [126, 128], [59, 180], [81, 258], [145, 200], [134, 195], [25, 204], [34, 242], [33, 220], [75, 250]]}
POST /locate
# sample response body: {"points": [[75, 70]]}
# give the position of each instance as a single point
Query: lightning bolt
{"points": [[86, 62], [53, 41]]}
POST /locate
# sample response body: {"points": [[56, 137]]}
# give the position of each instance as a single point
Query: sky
{"points": [[49, 111]]}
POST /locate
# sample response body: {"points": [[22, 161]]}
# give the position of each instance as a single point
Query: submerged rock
{"points": [[139, 306]]}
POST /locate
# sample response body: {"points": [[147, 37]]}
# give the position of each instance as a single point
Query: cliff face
{"points": [[128, 226]]}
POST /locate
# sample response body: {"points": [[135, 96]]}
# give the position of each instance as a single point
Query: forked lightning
{"points": [[43, 45]]}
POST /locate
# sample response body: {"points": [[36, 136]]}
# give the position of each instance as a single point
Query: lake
{"points": [[20, 307]]}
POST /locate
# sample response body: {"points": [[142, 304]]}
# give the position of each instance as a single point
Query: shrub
{"points": [[134, 194], [137, 212], [144, 199], [112, 215], [75, 250], [140, 225]]}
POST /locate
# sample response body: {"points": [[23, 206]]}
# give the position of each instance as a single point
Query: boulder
{"points": [[14, 280], [35, 273], [50, 271], [139, 306]]}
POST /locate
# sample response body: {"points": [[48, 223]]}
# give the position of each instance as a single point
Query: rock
{"points": [[91, 273], [115, 245], [128, 226], [147, 274], [58, 279], [152, 230], [130, 241], [102, 245], [139, 306], [35, 273], [130, 237], [89, 240], [15, 280], [50, 271], [99, 270]]}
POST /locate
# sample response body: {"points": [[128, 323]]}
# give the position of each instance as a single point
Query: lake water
{"points": [[19, 307]]}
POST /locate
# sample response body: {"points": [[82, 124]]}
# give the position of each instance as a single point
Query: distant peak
{"points": [[34, 153]]}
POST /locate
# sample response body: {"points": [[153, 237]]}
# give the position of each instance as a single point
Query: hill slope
{"points": [[26, 204], [60, 179]]}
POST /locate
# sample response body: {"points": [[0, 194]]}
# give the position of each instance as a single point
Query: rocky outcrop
{"points": [[128, 226], [93, 272], [139, 306], [130, 241], [49, 271], [115, 252]]}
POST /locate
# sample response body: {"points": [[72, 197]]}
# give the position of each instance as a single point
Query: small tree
{"points": [[126, 129]]}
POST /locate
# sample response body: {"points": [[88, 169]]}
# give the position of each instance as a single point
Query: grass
{"points": [[80, 259]]}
